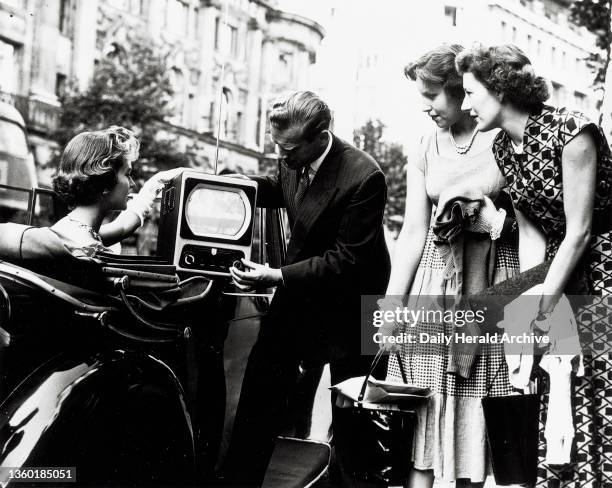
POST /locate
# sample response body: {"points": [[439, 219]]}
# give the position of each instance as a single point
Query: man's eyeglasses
{"points": [[287, 149]]}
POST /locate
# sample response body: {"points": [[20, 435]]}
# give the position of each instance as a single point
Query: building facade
{"points": [[227, 59], [541, 28], [374, 86]]}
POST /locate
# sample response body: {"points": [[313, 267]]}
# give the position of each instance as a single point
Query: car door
{"points": [[269, 246]]}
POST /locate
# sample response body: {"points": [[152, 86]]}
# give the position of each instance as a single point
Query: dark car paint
{"points": [[116, 408]]}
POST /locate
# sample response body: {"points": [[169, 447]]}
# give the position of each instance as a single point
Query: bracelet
{"points": [[514, 226], [543, 316], [498, 224], [389, 303]]}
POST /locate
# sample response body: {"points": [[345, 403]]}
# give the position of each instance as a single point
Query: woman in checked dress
{"points": [[450, 439]]}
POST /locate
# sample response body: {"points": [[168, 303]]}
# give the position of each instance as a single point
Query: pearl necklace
{"points": [[463, 148], [87, 227]]}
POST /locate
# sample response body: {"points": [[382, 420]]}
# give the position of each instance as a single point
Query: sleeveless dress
{"points": [[450, 436], [535, 183], [80, 240]]}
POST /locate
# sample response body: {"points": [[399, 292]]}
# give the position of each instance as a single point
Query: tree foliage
{"points": [[130, 87], [393, 162], [594, 15]]}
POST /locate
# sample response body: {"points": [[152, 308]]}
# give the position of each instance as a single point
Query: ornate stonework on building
{"points": [[237, 53]]}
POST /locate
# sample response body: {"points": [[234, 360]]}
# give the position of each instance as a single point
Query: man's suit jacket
{"points": [[336, 253]]}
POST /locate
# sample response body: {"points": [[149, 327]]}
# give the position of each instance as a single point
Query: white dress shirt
{"points": [[316, 164]]}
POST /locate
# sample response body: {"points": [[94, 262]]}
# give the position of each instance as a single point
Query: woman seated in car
{"points": [[94, 178]]}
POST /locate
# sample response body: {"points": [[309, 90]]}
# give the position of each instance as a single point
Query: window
{"points": [[559, 94], [60, 84], [178, 83], [514, 34], [119, 4], [65, 17], [177, 17], [135, 7], [580, 100], [529, 43], [225, 114], [15, 3], [195, 23], [450, 13], [233, 41], [285, 67], [226, 39], [8, 67], [211, 116], [539, 47], [504, 28], [238, 130], [217, 32]]}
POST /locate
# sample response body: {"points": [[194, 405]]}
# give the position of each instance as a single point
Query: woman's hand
{"points": [[158, 180], [389, 328], [138, 208], [488, 220], [142, 203]]}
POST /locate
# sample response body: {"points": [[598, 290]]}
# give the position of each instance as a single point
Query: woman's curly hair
{"points": [[507, 71], [438, 68], [89, 164]]}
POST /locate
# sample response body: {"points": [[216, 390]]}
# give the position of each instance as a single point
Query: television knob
{"points": [[189, 259]]}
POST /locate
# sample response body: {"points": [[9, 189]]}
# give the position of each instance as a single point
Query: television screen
{"points": [[217, 212]]}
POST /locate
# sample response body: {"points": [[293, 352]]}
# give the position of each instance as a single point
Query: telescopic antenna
{"points": [[226, 4]]}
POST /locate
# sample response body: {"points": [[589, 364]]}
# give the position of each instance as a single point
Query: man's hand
{"points": [[255, 276]]}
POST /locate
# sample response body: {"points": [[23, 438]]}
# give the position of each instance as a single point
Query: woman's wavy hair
{"points": [[438, 68], [507, 71], [89, 164]]}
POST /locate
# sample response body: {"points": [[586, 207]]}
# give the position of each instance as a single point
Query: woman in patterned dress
{"points": [[450, 441], [558, 169]]}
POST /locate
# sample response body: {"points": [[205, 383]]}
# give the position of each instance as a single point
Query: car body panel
{"points": [[90, 409]]}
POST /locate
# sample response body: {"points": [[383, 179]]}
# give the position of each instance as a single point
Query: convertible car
{"points": [[125, 370]]}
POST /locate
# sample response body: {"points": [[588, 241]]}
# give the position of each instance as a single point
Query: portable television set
{"points": [[206, 222]]}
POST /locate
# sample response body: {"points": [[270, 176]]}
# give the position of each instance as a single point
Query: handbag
{"points": [[376, 438], [512, 434]]}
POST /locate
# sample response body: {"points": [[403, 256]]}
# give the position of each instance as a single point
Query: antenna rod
{"points": [[226, 2]]}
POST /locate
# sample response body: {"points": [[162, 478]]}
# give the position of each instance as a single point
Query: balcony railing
{"points": [[39, 116]]}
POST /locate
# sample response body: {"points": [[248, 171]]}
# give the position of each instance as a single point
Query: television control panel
{"points": [[210, 259]]}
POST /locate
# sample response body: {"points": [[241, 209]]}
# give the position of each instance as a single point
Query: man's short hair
{"points": [[301, 109]]}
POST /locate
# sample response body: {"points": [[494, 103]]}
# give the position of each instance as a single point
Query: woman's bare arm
{"points": [[579, 164], [411, 239]]}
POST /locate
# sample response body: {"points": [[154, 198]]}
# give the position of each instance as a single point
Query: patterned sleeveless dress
{"points": [[535, 182], [450, 436]]}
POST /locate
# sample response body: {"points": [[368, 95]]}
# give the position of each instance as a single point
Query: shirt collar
{"points": [[316, 164]]}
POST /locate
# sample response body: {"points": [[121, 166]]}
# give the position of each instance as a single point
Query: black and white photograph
{"points": [[306, 243]]}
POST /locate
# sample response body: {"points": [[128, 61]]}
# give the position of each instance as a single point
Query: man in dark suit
{"points": [[335, 196]]}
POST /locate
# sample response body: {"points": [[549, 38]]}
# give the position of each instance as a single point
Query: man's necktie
{"points": [[302, 187]]}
